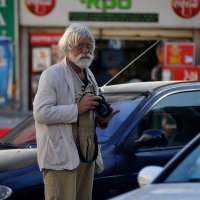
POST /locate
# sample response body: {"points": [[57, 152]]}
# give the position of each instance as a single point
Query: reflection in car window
{"points": [[23, 135], [177, 114], [27, 136], [188, 170], [126, 107]]}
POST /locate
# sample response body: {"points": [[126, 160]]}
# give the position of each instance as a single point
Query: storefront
{"points": [[123, 29]]}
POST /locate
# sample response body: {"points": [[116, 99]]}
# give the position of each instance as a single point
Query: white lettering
{"points": [[2, 3], [2, 21], [186, 4], [193, 76], [175, 50], [39, 2], [45, 39]]}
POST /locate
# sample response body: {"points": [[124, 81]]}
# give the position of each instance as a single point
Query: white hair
{"points": [[73, 34]]}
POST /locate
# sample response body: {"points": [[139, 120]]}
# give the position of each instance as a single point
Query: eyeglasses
{"points": [[80, 47]]}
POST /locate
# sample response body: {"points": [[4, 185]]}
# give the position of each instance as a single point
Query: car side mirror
{"points": [[147, 174], [151, 137]]}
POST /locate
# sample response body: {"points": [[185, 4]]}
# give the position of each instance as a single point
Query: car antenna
{"points": [[102, 88]]}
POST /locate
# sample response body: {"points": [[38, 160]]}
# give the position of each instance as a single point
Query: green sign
{"points": [[107, 4], [111, 5], [114, 17], [7, 21]]}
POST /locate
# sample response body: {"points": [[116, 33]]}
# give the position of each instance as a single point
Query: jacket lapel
{"points": [[68, 77]]}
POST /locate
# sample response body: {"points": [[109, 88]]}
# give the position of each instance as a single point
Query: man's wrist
{"points": [[100, 124]]}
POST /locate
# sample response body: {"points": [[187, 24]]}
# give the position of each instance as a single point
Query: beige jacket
{"points": [[54, 110]]}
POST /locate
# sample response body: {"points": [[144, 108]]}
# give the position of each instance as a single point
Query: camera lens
{"points": [[102, 108]]}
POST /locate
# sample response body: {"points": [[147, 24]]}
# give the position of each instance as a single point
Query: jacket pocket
{"points": [[57, 152]]}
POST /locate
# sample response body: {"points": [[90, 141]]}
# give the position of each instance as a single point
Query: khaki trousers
{"points": [[73, 184]]}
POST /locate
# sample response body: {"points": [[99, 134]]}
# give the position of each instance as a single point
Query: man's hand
{"points": [[104, 121], [88, 102]]}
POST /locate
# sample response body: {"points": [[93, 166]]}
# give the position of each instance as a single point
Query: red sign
{"points": [[40, 7], [41, 39], [4, 131], [186, 8], [181, 73], [179, 54]]}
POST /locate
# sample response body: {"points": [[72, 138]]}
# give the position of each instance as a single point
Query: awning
{"points": [[141, 34]]}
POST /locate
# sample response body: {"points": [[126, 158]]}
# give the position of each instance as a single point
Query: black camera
{"points": [[103, 109]]}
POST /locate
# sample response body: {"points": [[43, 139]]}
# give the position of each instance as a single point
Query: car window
{"points": [[187, 170], [27, 136], [177, 114], [23, 134], [9, 120], [126, 105]]}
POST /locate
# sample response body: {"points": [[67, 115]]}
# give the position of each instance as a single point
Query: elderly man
{"points": [[65, 118]]}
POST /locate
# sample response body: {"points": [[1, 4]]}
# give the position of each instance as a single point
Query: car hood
{"points": [[183, 191], [17, 158]]}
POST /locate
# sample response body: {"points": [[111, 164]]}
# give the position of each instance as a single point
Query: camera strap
{"points": [[81, 156]]}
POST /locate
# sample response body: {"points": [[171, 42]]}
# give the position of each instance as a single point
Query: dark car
{"points": [[156, 120], [179, 179]]}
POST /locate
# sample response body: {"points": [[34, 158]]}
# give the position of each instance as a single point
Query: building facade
{"points": [[123, 29]]}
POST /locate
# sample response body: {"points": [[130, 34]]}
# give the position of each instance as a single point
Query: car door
{"points": [[177, 114]]}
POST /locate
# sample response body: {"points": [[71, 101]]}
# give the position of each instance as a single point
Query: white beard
{"points": [[81, 62]]}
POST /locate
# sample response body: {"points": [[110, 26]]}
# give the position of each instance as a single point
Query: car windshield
{"points": [[126, 105], [188, 170], [10, 119], [24, 134]]}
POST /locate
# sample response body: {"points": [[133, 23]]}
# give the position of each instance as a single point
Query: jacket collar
{"points": [[69, 78]]}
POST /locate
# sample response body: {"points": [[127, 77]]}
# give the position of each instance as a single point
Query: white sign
{"points": [[111, 13]]}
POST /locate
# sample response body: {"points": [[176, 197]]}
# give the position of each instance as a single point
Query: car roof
{"points": [[141, 87]]}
